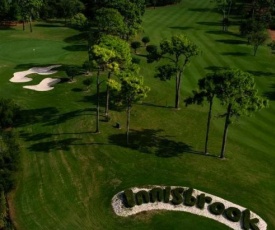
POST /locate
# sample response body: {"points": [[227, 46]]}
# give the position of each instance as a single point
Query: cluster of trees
{"points": [[155, 3], [235, 90], [256, 17], [112, 24], [9, 156]]}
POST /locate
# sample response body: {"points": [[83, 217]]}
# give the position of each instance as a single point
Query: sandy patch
{"points": [[272, 34], [21, 76], [45, 85]]}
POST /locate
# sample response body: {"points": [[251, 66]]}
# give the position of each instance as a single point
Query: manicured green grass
{"points": [[69, 174]]}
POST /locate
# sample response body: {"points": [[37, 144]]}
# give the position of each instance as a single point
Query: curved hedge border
{"points": [[175, 198]]}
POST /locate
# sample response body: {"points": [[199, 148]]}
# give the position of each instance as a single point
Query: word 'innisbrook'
{"points": [[135, 200]]}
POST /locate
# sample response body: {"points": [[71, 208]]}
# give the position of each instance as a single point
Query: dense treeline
{"points": [[9, 156], [161, 2]]}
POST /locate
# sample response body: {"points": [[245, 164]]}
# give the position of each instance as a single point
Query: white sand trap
{"points": [[21, 76], [45, 85]]}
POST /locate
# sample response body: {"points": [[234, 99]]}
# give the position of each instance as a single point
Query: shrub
{"points": [[217, 208], [151, 48], [136, 60], [177, 196], [129, 198], [145, 40], [142, 197], [9, 112], [79, 21], [71, 72], [135, 45], [156, 194], [166, 193], [233, 214], [249, 223], [189, 200]]}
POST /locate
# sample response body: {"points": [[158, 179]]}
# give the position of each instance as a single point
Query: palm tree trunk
{"points": [[97, 107], [208, 126], [128, 123], [226, 124], [107, 98]]}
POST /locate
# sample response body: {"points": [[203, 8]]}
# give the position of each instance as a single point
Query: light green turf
{"points": [[69, 174]]}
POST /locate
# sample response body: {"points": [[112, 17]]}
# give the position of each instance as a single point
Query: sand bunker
{"points": [[21, 76], [45, 85]]}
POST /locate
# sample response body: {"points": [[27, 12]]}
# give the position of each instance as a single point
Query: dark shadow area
{"points": [[48, 25], [216, 68], [77, 90], [41, 136], [6, 28], [61, 21], [201, 10], [232, 41], [92, 99], [61, 118], [154, 105], [271, 94], [234, 54], [151, 141], [209, 23], [76, 48], [64, 80], [78, 38], [261, 73], [47, 146], [35, 137], [32, 116], [220, 32], [49, 116], [180, 27], [141, 55]]}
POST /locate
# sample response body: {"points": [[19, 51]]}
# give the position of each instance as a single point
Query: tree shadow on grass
{"points": [[201, 10], [216, 68], [221, 32], [6, 28], [234, 54], [154, 105], [48, 25], [271, 94], [209, 23], [232, 41], [33, 116], [78, 38], [180, 27], [61, 118], [261, 73], [151, 141], [49, 116], [48, 146], [76, 48]]}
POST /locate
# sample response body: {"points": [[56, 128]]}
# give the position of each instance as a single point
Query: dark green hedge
{"points": [[177, 196], [156, 194], [233, 214], [142, 197], [216, 208], [129, 198]]}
